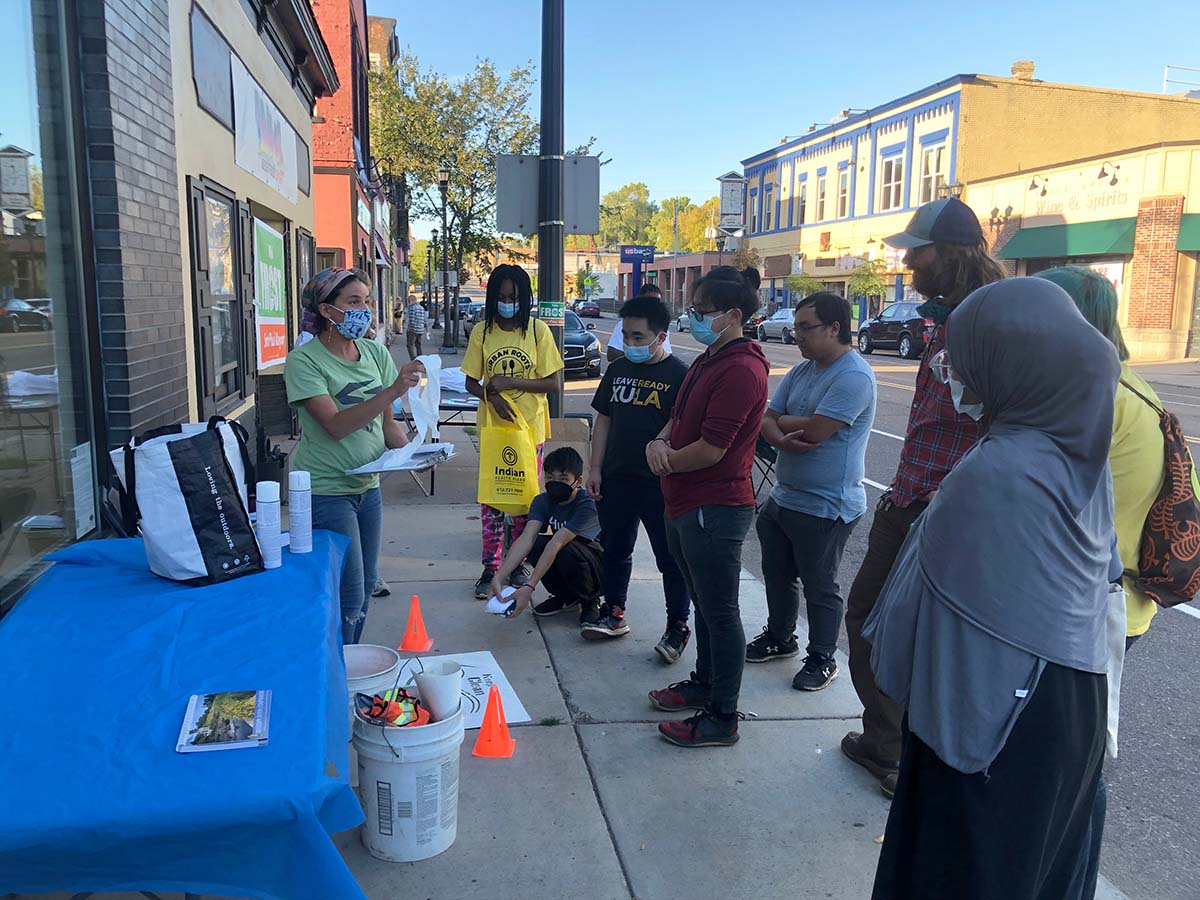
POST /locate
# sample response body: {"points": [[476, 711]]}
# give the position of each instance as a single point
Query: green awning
{"points": [[1108, 237], [1189, 233]]}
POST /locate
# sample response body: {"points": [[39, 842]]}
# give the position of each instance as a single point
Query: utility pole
{"points": [[443, 187], [550, 180], [674, 252]]}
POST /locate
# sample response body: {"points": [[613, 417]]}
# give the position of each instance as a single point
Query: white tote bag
{"points": [[188, 485]]}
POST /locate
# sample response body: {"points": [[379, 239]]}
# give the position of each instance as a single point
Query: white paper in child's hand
{"points": [[500, 606]]}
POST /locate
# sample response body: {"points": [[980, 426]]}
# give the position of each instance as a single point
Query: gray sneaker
{"points": [[382, 588]]}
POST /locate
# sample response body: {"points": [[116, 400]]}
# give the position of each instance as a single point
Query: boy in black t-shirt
{"points": [[560, 541], [634, 402]]}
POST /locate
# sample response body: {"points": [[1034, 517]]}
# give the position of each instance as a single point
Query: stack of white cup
{"points": [[300, 511], [267, 528]]}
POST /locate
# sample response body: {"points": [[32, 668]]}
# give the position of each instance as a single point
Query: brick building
{"points": [[819, 205]]}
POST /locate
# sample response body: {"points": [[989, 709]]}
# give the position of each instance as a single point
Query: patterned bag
{"points": [[1169, 556]]}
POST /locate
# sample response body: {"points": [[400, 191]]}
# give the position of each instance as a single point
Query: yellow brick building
{"points": [[819, 205]]}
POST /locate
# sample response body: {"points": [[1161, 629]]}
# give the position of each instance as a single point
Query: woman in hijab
{"points": [[991, 628]]}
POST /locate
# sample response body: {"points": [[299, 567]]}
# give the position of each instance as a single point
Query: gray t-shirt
{"points": [[827, 481]]}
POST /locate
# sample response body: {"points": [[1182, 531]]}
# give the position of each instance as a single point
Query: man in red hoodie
{"points": [[703, 456]]}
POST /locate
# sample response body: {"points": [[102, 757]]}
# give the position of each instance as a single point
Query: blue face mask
{"points": [[971, 410], [507, 310], [702, 329], [639, 354], [354, 324]]}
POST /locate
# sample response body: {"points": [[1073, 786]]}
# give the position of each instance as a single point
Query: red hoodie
{"points": [[722, 400]]}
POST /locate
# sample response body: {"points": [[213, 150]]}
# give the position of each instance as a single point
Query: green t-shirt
{"points": [[311, 370]]}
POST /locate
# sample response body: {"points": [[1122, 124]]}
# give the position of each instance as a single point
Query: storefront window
{"points": [[219, 221], [48, 452]]}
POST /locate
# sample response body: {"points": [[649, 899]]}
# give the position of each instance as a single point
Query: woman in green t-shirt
{"points": [[342, 388]]}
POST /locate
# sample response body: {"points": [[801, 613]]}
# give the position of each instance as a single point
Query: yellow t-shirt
{"points": [[519, 354], [1136, 459]]}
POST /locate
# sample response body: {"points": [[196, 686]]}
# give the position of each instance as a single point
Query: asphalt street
{"points": [[1151, 847]]}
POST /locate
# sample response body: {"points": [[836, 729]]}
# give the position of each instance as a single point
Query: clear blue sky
{"points": [[679, 91]]}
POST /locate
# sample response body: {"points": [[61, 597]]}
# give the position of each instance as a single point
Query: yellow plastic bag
{"points": [[508, 470]]}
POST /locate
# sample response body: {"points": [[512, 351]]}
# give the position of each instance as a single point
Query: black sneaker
{"points": [[611, 625], [520, 576], [484, 585], [552, 606], [589, 614], [817, 674], [675, 638], [690, 694], [765, 648], [704, 729]]}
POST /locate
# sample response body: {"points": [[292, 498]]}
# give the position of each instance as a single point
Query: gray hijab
{"points": [[1030, 507], [1008, 568]]}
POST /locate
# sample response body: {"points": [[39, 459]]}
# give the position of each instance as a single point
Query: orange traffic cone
{"points": [[493, 741], [416, 640]]}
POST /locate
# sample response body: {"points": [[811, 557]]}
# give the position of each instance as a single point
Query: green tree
{"points": [[802, 284], [418, 263], [37, 190], [746, 256], [694, 221], [869, 279], [625, 216], [421, 120], [585, 282]]}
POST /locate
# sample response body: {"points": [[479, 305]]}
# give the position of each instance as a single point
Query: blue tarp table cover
{"points": [[97, 663]]}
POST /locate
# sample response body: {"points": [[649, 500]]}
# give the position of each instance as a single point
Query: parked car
{"points": [[750, 326], [17, 315], [683, 322], [581, 348], [778, 325], [899, 327], [589, 308], [473, 314]]}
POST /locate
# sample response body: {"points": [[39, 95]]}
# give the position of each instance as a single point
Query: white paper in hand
{"points": [[502, 605]]}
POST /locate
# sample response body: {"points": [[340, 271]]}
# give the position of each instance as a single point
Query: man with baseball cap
{"points": [[948, 258]]}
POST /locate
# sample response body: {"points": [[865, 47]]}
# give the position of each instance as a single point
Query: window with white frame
{"points": [[754, 215], [843, 208], [821, 199], [891, 187], [768, 210], [933, 172], [801, 200]]}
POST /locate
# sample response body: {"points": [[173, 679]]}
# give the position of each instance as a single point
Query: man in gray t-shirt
{"points": [[819, 421]]}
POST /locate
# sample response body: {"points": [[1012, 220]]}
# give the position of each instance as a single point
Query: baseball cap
{"points": [[944, 221]]}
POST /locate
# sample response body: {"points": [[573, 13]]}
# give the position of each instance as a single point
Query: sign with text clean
{"points": [[270, 297], [637, 253]]}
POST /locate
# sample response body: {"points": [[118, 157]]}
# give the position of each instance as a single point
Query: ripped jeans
{"points": [[360, 518]]}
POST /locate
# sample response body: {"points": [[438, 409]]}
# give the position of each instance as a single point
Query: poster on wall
{"points": [[264, 141], [270, 298]]}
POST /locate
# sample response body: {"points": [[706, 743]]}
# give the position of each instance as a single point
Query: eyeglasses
{"points": [[939, 366], [697, 314], [805, 329]]}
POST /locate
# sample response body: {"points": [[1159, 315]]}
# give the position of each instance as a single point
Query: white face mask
{"points": [[971, 410]]}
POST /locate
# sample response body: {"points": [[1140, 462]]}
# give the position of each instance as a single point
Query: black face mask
{"points": [[558, 492]]}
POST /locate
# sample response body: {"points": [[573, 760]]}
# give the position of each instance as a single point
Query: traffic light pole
{"points": [[550, 180]]}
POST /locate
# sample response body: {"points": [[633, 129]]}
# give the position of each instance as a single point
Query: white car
{"points": [[683, 322], [778, 325]]}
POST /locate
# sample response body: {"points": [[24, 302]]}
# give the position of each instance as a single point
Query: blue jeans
{"points": [[360, 518]]}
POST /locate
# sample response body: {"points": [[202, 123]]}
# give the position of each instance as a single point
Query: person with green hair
{"points": [[1137, 447]]}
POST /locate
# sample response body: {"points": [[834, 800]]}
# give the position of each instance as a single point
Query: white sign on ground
{"points": [[480, 672]]}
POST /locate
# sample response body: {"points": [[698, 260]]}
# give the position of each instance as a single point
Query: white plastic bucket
{"points": [[370, 669], [408, 780]]}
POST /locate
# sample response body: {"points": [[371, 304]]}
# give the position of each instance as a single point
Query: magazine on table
{"points": [[225, 721]]}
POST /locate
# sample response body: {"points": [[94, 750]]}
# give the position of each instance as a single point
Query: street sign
{"points": [[637, 253], [517, 194], [551, 313]]}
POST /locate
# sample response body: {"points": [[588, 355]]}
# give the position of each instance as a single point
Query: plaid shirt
{"points": [[937, 436], [418, 319]]}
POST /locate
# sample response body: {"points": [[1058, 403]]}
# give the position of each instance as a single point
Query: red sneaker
{"points": [[681, 695], [703, 729]]}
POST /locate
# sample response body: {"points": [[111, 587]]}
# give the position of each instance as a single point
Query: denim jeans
{"points": [[801, 549], [626, 502], [707, 544], [360, 518]]}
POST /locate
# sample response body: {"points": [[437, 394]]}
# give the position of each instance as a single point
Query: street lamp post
{"points": [[448, 346], [431, 249]]}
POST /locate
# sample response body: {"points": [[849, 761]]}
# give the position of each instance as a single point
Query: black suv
{"points": [[899, 327]]}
